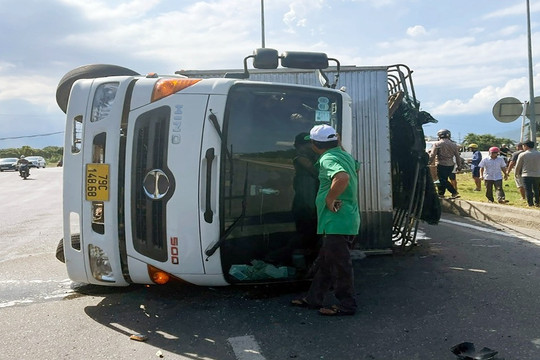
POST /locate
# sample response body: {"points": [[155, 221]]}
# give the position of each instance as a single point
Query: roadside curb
{"points": [[504, 214]]}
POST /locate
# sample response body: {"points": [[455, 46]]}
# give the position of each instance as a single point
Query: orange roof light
{"points": [[166, 87], [158, 276]]}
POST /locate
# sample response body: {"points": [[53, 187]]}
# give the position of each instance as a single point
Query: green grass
{"points": [[465, 184]]}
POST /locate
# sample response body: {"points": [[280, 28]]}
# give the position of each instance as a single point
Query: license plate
{"points": [[97, 182]]}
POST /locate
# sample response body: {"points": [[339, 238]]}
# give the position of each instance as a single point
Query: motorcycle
{"points": [[24, 171]]}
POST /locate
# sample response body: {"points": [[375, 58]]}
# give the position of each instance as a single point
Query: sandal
{"points": [[335, 311], [302, 302]]}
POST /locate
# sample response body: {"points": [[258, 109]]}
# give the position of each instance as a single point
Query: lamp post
{"points": [[262, 22], [532, 105]]}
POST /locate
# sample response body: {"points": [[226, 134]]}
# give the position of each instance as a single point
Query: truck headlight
{"points": [[103, 100], [99, 264]]}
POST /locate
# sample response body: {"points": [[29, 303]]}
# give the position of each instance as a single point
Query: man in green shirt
{"points": [[338, 221]]}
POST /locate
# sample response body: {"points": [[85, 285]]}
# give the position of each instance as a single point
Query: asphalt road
{"points": [[465, 281]]}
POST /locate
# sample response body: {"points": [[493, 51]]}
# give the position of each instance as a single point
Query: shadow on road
{"points": [[416, 305]]}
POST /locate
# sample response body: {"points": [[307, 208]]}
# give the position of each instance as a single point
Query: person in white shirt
{"points": [[492, 170]]}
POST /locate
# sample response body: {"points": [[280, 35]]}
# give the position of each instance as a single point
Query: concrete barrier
{"points": [[504, 214]]}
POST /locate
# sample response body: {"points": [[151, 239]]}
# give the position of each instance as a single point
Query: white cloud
{"points": [[476, 30], [298, 13], [456, 63], [518, 9], [508, 11], [105, 10], [377, 3], [6, 66], [34, 89], [416, 30], [486, 97], [510, 30], [179, 39]]}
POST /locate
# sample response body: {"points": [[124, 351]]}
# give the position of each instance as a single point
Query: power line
{"points": [[31, 136]]}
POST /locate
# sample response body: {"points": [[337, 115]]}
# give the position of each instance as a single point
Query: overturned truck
{"points": [[190, 176]]}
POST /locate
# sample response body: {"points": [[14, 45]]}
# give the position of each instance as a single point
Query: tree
{"points": [[11, 152], [27, 151], [486, 141], [52, 154]]}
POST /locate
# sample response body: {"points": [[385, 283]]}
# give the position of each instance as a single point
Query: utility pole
{"points": [[262, 22], [532, 105]]}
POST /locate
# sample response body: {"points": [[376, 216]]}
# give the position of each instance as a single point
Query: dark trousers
{"points": [[444, 172], [333, 270], [498, 187], [532, 189]]}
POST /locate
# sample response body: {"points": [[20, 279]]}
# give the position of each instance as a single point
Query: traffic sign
{"points": [[507, 109], [536, 109]]}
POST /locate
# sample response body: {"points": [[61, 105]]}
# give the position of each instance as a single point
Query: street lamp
{"points": [[509, 109], [532, 114], [262, 23]]}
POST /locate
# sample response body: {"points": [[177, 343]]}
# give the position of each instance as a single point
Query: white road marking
{"points": [[62, 289], [475, 227], [15, 302], [493, 231], [420, 235], [246, 348]]}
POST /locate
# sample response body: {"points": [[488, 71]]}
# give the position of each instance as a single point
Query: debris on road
{"points": [[139, 337], [467, 351]]}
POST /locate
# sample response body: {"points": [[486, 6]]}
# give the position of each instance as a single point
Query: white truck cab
{"points": [[194, 178]]}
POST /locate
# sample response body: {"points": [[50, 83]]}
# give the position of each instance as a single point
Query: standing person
{"points": [[305, 185], [517, 178], [528, 166], [338, 221], [303, 247], [492, 169], [444, 152], [475, 169], [505, 152]]}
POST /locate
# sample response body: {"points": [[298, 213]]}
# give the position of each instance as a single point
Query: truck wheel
{"points": [[75, 243], [86, 72], [60, 251]]}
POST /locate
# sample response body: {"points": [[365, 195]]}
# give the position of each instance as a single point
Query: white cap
{"points": [[323, 133]]}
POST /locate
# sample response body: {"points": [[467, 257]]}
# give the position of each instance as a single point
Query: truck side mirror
{"points": [[304, 60], [265, 59]]}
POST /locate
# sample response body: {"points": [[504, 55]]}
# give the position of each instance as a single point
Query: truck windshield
{"points": [[264, 184]]}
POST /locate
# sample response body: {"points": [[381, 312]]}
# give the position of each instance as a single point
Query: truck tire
{"points": [[60, 251], [86, 72], [75, 243]]}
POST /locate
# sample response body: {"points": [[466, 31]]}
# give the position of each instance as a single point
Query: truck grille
{"points": [[150, 153]]}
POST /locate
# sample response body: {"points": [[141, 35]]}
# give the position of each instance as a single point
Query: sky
{"points": [[465, 55]]}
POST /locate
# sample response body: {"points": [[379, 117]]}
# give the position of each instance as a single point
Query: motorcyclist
{"points": [[22, 163]]}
